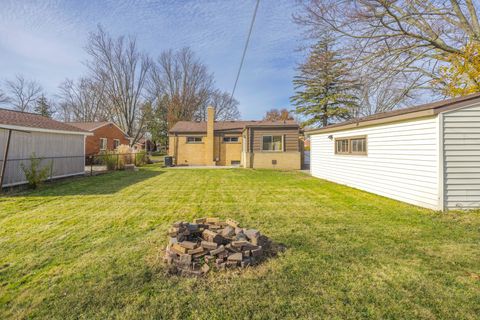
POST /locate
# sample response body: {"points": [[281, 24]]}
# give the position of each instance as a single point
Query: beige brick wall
{"points": [[228, 152], [285, 160], [187, 153], [194, 153]]}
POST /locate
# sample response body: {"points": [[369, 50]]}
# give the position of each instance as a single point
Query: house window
{"points": [[103, 143], [116, 143], [194, 139], [230, 139], [272, 143], [351, 146], [341, 146]]}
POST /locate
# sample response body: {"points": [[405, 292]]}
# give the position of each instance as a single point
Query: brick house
{"points": [[250, 144], [106, 136]]}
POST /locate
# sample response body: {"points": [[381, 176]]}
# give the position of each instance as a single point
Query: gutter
{"points": [[35, 129]]}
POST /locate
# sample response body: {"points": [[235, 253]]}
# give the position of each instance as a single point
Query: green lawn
{"points": [[92, 247]]}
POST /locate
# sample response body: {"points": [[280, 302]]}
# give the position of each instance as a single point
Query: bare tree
{"points": [[278, 115], [22, 93], [3, 98], [122, 69], [226, 107], [84, 100], [182, 83], [386, 93], [409, 37]]}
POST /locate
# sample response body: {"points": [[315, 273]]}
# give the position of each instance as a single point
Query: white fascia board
{"points": [[22, 128]]}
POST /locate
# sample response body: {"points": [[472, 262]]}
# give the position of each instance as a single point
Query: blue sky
{"points": [[44, 40]]}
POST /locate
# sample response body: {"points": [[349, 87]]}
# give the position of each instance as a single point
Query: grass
{"points": [[91, 248]]}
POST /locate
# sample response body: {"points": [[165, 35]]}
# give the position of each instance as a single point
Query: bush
{"points": [[33, 173], [141, 158], [124, 154], [110, 160]]}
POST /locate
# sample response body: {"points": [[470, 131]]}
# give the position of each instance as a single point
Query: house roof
{"points": [[89, 126], [201, 126], [420, 111], [94, 125], [11, 119]]}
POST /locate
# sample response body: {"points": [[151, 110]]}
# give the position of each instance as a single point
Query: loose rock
{"points": [[194, 248]]}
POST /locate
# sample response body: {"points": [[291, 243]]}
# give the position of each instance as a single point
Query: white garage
{"points": [[428, 155], [60, 146]]}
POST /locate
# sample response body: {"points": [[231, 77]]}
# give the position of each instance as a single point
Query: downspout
{"points": [[175, 149], [441, 165], [250, 147]]}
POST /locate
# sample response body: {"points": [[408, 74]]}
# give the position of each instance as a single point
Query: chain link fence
{"points": [[17, 171]]}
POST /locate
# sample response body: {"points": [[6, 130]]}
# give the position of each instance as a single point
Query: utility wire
{"points": [[245, 49]]}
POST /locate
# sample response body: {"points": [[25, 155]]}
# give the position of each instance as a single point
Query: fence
{"points": [[114, 161], [56, 167]]}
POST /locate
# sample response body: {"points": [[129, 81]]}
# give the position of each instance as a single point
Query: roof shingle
{"points": [[88, 126], [201, 126], [32, 120]]}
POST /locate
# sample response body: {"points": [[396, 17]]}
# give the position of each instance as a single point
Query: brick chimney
{"points": [[209, 141]]}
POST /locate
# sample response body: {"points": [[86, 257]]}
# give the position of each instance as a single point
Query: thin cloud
{"points": [[46, 39]]}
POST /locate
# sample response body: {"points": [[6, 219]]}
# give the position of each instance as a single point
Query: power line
{"points": [[245, 49]]}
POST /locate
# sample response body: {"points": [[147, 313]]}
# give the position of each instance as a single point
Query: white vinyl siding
{"points": [[402, 161], [461, 139]]}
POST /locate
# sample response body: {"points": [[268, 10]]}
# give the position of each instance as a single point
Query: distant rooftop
{"points": [[201, 126]]}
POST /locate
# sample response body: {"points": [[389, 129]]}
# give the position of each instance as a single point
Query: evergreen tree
{"points": [[42, 107], [324, 89], [156, 121]]}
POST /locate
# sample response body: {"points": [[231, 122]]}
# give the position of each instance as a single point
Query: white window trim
{"points": [[194, 142], [114, 143], [106, 144], [238, 139], [274, 135]]}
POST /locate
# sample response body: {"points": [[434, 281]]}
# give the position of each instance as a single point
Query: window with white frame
{"points": [[116, 143], [272, 143], [103, 143], [230, 139], [194, 139]]}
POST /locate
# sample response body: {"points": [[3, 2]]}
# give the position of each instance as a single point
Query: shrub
{"points": [[33, 173], [141, 158], [110, 160], [125, 155]]}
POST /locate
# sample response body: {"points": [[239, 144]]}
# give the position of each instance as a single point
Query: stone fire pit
{"points": [[195, 248]]}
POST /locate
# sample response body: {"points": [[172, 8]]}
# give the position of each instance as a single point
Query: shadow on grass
{"points": [[107, 183]]}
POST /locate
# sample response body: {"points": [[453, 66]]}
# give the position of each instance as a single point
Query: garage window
{"points": [[351, 145]]}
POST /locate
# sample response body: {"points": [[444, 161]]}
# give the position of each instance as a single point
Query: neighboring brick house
{"points": [[250, 144], [106, 136]]}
